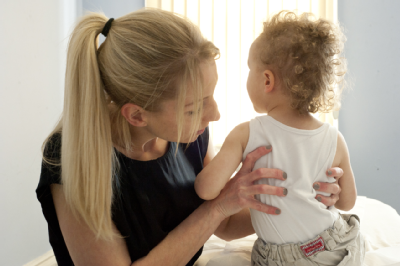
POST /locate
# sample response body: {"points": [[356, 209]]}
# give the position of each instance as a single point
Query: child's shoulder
{"points": [[240, 134], [242, 128]]}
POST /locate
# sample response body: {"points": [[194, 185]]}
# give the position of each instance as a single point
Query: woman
{"points": [[127, 195]]}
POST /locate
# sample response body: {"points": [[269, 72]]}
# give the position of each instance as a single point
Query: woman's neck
{"points": [[144, 146]]}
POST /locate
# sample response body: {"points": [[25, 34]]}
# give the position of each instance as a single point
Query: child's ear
{"points": [[269, 81], [134, 114]]}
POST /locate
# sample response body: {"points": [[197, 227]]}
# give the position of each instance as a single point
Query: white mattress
{"points": [[380, 225]]}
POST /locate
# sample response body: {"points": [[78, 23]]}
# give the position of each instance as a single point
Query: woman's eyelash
{"points": [[192, 112]]}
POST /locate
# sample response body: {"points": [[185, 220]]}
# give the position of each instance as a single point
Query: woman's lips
{"points": [[200, 132]]}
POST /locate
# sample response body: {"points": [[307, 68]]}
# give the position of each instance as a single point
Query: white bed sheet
{"points": [[380, 225]]}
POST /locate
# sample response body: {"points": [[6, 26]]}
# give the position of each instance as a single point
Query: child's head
{"points": [[304, 55]]}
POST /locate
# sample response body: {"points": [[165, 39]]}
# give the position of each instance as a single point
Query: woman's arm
{"points": [[82, 245], [236, 226], [182, 243]]}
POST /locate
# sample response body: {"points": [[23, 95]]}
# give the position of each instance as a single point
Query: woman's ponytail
{"points": [[87, 150]]}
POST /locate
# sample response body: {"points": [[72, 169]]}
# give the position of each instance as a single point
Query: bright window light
{"points": [[232, 25]]}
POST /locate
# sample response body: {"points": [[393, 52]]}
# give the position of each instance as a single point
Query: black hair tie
{"points": [[107, 27]]}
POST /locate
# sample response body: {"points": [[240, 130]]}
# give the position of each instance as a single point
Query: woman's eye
{"points": [[192, 112]]}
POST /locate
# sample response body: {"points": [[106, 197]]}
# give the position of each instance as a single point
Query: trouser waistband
{"points": [[340, 232]]}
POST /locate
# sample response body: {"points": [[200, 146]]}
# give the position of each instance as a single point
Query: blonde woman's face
{"points": [[163, 124]]}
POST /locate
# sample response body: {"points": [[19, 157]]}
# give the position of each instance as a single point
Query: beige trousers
{"points": [[341, 245]]}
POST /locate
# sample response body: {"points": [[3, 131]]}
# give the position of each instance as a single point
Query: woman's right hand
{"points": [[239, 192]]}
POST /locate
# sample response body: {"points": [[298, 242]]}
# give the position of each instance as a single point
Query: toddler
{"points": [[295, 65]]}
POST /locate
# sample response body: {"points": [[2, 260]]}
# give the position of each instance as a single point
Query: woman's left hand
{"points": [[332, 188]]}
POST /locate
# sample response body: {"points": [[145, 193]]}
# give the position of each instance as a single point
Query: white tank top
{"points": [[304, 155]]}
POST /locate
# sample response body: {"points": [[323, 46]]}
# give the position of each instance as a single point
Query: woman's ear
{"points": [[134, 114], [269, 81]]}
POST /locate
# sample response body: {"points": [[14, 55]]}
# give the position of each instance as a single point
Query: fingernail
{"points": [[268, 147], [329, 172], [316, 186], [319, 199], [277, 211], [285, 191], [284, 175]]}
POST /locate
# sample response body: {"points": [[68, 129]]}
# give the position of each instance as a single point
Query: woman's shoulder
{"points": [[51, 161], [52, 147]]}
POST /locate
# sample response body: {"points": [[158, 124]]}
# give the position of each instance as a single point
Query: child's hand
{"points": [[332, 188], [239, 192]]}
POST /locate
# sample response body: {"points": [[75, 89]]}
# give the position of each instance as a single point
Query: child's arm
{"points": [[213, 177], [348, 194]]}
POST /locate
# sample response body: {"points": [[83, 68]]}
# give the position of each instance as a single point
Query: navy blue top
{"points": [[154, 196]]}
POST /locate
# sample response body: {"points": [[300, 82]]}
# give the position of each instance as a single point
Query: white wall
{"points": [[32, 51], [33, 43], [370, 116], [112, 8]]}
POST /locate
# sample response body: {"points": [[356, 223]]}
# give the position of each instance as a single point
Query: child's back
{"points": [[304, 155], [294, 69]]}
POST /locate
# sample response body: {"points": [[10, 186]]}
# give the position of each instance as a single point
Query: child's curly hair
{"points": [[305, 54]]}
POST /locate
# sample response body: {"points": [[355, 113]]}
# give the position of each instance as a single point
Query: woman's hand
{"points": [[239, 192], [332, 188]]}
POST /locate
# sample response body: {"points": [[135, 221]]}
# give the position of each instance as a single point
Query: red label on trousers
{"points": [[313, 247]]}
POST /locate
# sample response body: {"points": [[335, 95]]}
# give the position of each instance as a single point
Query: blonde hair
{"points": [[306, 54], [148, 56]]}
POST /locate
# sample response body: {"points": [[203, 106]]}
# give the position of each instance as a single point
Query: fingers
{"points": [[327, 201], [335, 172], [332, 188], [267, 189], [252, 157], [256, 205], [268, 173]]}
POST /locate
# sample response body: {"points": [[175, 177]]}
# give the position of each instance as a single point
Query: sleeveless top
{"points": [[154, 196], [304, 155]]}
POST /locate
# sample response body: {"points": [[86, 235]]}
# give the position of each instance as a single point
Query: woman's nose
{"points": [[212, 114]]}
